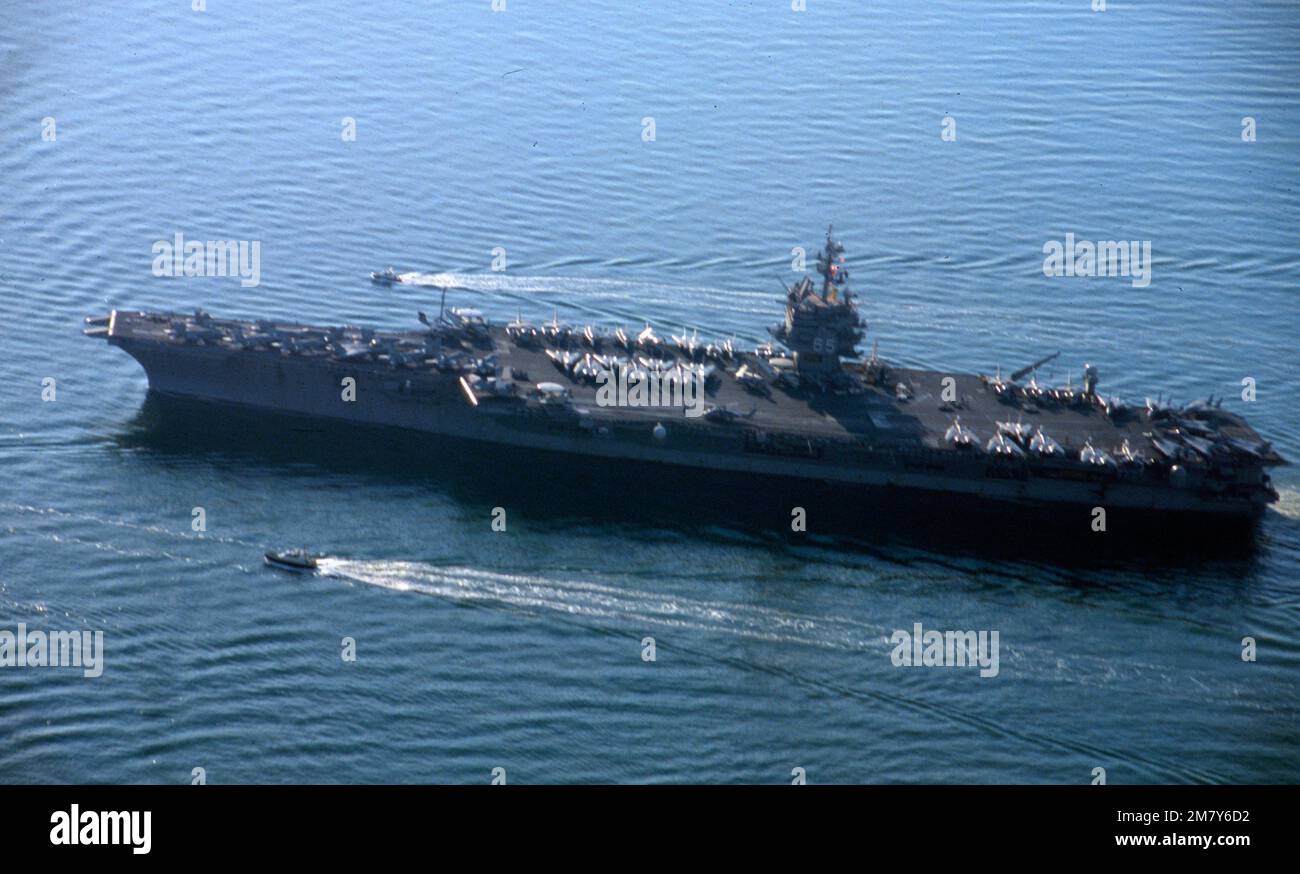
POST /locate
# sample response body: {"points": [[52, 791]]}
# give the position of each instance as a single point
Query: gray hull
{"points": [[436, 403]]}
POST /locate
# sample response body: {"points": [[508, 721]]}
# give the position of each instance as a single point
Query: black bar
{"points": [[872, 822]]}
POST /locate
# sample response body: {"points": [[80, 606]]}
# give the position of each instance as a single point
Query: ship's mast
{"points": [[830, 264], [820, 329]]}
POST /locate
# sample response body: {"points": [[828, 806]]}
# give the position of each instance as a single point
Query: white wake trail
{"points": [[621, 606], [560, 288], [1288, 502]]}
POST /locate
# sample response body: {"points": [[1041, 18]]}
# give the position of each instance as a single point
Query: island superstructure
{"points": [[808, 409]]}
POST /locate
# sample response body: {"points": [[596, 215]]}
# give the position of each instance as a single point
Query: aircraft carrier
{"points": [[808, 408]]}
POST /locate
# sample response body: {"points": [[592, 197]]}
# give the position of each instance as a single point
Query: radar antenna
{"points": [[830, 264]]}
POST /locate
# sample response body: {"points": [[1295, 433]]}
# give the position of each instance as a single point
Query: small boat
{"points": [[291, 560], [388, 277]]}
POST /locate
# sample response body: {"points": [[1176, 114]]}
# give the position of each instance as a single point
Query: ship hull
{"points": [[435, 404], [547, 491]]}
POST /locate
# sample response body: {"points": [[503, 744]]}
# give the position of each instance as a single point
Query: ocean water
{"points": [[523, 131]]}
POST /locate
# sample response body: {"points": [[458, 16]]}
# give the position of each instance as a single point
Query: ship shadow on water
{"points": [[550, 492]]}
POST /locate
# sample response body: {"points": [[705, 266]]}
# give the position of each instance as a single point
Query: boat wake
{"points": [[596, 602], [1288, 502], [626, 609], [563, 289], [596, 605], [63, 517]]}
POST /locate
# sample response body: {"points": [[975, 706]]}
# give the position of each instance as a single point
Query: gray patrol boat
{"points": [[809, 411]]}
